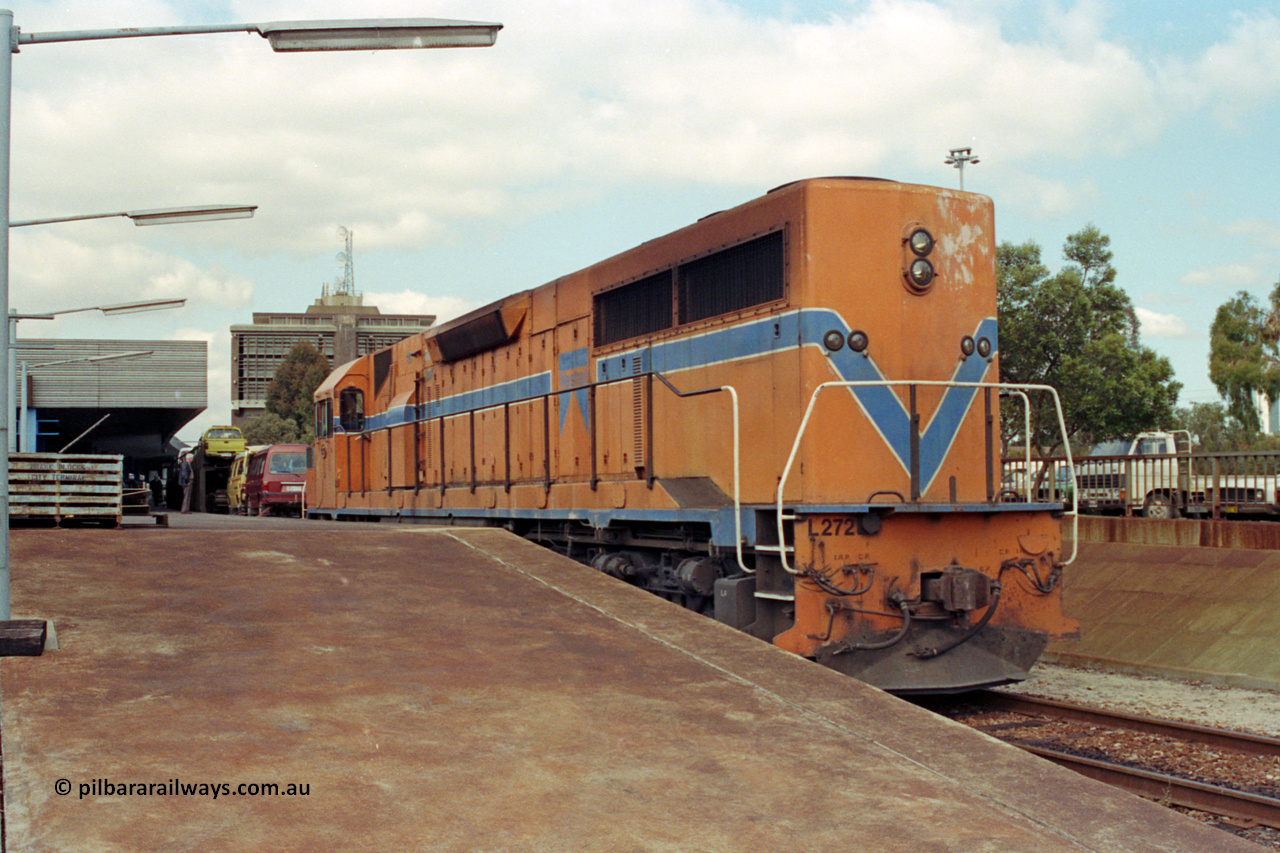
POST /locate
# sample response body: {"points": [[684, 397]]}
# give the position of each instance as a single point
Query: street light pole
{"points": [[165, 216], [959, 158], [283, 36], [6, 405]]}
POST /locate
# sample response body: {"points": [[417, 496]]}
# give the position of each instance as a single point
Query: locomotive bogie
{"points": [[682, 414]]}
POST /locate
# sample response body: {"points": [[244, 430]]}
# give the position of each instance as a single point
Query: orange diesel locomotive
{"points": [[784, 415]]}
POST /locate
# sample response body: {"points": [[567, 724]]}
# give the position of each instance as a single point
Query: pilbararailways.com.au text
{"points": [[179, 788]]}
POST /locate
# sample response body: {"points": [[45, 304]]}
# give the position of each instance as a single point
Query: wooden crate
{"points": [[66, 486]]}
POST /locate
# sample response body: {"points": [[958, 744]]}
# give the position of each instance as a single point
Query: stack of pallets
{"points": [[65, 487]]}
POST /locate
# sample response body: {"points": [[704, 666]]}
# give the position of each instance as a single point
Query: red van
{"points": [[276, 479]]}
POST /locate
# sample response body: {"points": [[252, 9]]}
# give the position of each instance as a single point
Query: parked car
{"points": [[222, 441], [235, 480], [275, 478]]}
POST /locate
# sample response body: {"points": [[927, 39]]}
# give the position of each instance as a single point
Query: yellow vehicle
{"points": [[222, 441], [236, 502], [235, 482]]}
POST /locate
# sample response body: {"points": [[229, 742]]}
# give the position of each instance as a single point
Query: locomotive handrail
{"points": [[1026, 431], [590, 386], [813, 399], [737, 480]]}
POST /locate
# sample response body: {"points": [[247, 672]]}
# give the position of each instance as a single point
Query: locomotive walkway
{"points": [[463, 690]]}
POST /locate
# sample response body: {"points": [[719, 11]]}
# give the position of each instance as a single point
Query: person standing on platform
{"points": [[185, 480]]}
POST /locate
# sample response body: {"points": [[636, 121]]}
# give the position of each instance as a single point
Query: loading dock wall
{"points": [[1196, 600]]}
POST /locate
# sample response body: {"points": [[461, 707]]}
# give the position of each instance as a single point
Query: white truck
{"points": [[1159, 475]]}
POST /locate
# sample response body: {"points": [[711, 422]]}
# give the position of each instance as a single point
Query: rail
{"points": [[1161, 786], [913, 464]]}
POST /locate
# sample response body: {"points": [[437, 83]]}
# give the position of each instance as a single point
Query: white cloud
{"points": [[412, 302], [1045, 198], [59, 272], [1235, 77], [1263, 232], [1236, 276], [588, 99], [1155, 325], [403, 144]]}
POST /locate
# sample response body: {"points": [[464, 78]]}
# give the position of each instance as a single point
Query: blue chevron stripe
{"points": [[806, 327], [756, 338]]}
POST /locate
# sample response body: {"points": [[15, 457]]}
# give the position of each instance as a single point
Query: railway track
{"points": [[1244, 808]]}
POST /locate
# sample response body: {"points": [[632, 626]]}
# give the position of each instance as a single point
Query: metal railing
{"points": [[419, 423], [913, 462], [1213, 485]]}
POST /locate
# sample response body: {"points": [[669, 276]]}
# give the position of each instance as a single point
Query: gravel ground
{"points": [[1238, 709], [1256, 711]]}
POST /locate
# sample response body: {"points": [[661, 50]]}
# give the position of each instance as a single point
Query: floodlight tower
{"points": [[958, 158]]}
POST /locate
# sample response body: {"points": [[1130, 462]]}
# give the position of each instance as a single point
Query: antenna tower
{"points": [[346, 285]]}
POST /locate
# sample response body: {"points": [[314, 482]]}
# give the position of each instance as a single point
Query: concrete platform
{"points": [[463, 690]]}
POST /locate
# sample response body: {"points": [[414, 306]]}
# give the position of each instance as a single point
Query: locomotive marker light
{"points": [[286, 36], [919, 270], [920, 274], [921, 242]]}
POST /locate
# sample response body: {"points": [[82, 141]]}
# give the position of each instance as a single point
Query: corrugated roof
{"points": [[175, 375]]}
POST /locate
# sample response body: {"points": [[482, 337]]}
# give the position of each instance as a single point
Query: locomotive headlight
{"points": [[920, 274], [966, 346], [858, 341], [921, 242], [833, 340], [984, 347]]}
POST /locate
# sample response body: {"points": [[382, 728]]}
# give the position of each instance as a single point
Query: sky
{"points": [[594, 125]]}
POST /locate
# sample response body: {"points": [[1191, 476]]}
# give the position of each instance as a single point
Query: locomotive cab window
{"points": [[351, 409], [324, 418]]}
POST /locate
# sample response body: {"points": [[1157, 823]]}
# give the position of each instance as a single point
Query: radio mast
{"points": [[346, 285]]}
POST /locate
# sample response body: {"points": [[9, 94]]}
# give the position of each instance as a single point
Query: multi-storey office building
{"points": [[339, 324]]}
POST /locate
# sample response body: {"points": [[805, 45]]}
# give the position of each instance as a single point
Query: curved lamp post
{"points": [[283, 36], [165, 216]]}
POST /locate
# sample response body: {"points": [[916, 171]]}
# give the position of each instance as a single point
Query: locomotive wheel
{"points": [[1159, 507]]}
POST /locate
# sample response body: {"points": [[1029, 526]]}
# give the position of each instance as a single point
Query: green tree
{"points": [[1213, 429], [290, 394], [1077, 332], [1243, 355], [270, 428]]}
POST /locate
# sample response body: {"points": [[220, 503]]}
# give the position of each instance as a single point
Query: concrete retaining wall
{"points": [[1189, 599]]}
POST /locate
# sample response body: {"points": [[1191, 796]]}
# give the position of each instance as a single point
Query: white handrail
{"points": [[737, 472], [804, 422]]}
